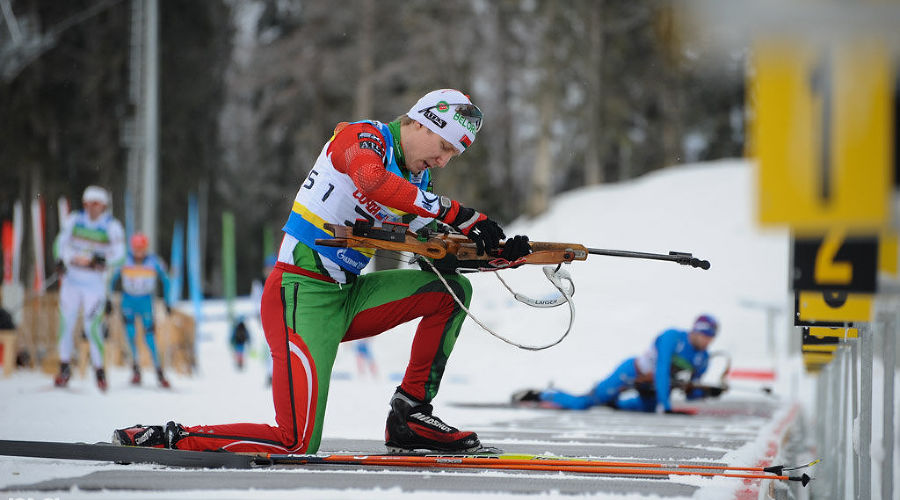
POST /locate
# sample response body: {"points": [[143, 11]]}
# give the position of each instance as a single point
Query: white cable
{"points": [[555, 277]]}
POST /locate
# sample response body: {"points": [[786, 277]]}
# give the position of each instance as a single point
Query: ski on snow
{"points": [[106, 452], [487, 458]]}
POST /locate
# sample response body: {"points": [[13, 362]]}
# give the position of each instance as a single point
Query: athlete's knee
{"points": [[462, 287]]}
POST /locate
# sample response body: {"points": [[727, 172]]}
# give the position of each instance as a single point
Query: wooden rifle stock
{"points": [[438, 246], [397, 237]]}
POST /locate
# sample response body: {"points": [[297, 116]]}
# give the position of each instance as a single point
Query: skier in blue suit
{"points": [[138, 277], [650, 374]]}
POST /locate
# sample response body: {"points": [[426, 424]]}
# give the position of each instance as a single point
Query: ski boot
{"points": [[151, 436], [526, 396], [62, 378], [163, 382], [135, 375], [101, 379], [411, 426], [174, 433]]}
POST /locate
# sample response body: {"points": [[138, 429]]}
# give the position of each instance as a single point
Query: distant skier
{"points": [[240, 337], [138, 277], [91, 242], [651, 374], [364, 359]]}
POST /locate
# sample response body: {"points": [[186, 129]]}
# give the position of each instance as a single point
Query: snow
{"points": [[621, 305]]}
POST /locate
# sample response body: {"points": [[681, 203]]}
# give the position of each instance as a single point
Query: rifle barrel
{"points": [[682, 258]]}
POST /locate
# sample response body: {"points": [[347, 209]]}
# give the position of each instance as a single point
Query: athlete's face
{"points": [[94, 209], [424, 149], [700, 341]]}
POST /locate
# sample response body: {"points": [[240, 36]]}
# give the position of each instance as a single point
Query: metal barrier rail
{"points": [[849, 391]]}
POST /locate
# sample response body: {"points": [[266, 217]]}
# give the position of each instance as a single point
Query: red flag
{"points": [[7, 251]]}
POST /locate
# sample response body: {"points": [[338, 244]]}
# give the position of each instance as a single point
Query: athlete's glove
{"points": [[713, 392], [484, 232], [705, 391], [98, 262], [516, 248]]}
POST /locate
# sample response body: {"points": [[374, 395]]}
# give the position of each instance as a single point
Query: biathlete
{"points": [[673, 352], [315, 298], [138, 279]]}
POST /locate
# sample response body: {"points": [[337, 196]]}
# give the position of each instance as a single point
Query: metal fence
{"points": [[854, 401]]}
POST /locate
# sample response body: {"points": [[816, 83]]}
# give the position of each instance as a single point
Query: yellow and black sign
{"points": [[833, 277], [828, 332], [814, 362], [831, 308], [820, 344], [822, 134], [821, 336], [835, 262]]}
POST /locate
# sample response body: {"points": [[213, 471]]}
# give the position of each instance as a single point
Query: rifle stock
{"points": [[397, 237], [437, 247], [344, 237]]}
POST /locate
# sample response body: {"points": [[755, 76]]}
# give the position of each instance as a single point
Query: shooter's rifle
{"points": [[397, 237], [462, 252]]}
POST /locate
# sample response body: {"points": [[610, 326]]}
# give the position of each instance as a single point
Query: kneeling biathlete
{"points": [[315, 298]]}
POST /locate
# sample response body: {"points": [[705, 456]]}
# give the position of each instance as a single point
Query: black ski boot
{"points": [[526, 396], [139, 435], [161, 377], [411, 426], [174, 433], [101, 379], [62, 378]]}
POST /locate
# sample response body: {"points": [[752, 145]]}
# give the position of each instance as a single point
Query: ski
{"points": [[106, 452], [481, 459]]}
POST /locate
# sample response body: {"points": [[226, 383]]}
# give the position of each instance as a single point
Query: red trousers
{"points": [[305, 319]]}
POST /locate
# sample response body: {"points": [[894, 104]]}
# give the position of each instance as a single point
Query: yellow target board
{"points": [[822, 134]]}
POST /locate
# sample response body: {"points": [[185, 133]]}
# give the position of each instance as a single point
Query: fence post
{"points": [[854, 400], [865, 414], [888, 334]]}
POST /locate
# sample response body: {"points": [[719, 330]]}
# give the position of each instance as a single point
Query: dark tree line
{"points": [[575, 93]]}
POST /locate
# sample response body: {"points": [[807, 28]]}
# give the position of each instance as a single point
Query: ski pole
{"points": [[525, 462], [627, 471], [683, 258], [516, 459], [506, 464]]}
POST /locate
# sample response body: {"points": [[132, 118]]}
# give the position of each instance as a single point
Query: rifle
{"points": [[461, 251], [397, 237]]}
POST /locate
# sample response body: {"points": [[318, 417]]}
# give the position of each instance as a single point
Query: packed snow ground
{"points": [[622, 304]]}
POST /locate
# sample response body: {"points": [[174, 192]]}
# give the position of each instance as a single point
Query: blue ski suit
{"points": [[138, 290], [650, 374]]}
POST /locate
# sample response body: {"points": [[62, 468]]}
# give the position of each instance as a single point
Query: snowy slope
{"points": [[622, 304]]}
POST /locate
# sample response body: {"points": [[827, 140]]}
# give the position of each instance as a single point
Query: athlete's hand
{"points": [[98, 262], [484, 232], [713, 391], [81, 261], [516, 248]]}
